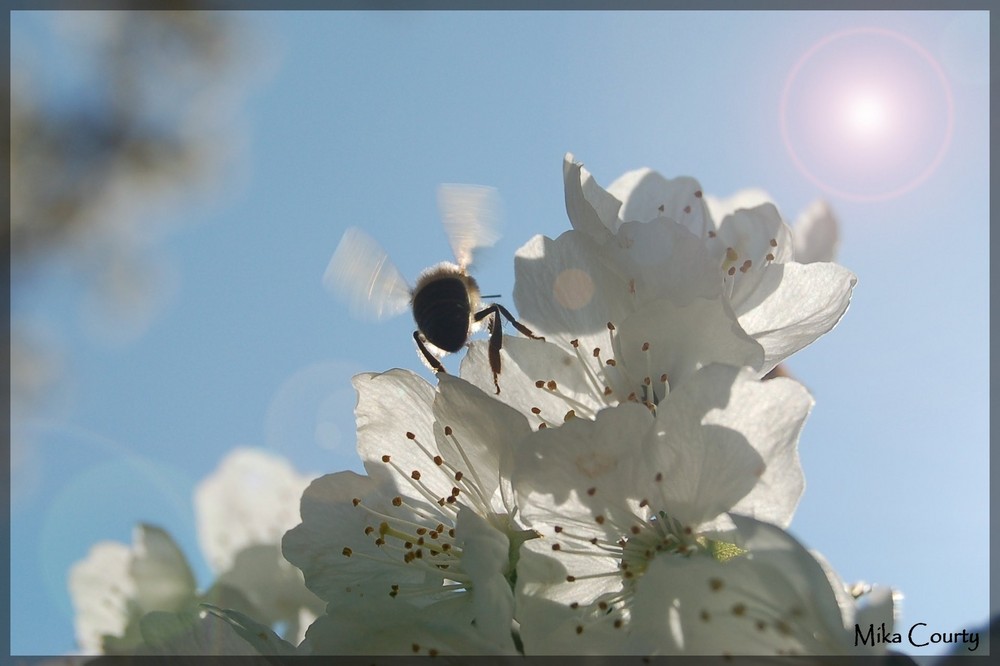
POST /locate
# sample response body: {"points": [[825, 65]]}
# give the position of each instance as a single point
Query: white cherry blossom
{"points": [[647, 239], [613, 494], [433, 524]]}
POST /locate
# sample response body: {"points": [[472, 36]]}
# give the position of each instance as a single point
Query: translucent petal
{"points": [[804, 302]]}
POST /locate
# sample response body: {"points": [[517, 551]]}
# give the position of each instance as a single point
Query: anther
{"points": [[575, 342], [438, 460], [746, 266], [458, 476], [397, 501], [347, 552], [774, 243], [591, 491], [415, 475], [536, 410], [410, 435], [447, 431], [356, 501], [611, 326], [540, 384], [551, 385]]}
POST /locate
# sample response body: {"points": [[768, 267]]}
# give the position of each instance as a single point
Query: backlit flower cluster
{"points": [[628, 490]]}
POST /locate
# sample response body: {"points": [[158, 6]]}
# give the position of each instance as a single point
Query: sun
{"points": [[867, 114]]}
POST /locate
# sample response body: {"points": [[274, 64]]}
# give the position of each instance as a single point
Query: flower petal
{"points": [[252, 498], [339, 560], [646, 196], [483, 433], [666, 338], [815, 234], [393, 627], [699, 470], [804, 302], [163, 579], [591, 210], [485, 554], [563, 290], [582, 470]]}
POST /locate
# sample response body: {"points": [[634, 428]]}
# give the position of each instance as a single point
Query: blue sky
{"points": [[353, 119]]}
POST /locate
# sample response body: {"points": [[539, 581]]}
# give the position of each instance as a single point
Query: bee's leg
{"points": [[518, 325], [496, 341], [432, 360]]}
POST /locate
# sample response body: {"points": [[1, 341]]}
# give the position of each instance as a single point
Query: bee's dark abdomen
{"points": [[441, 310]]}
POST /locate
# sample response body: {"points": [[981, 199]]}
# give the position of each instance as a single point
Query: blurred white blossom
{"points": [[116, 587]]}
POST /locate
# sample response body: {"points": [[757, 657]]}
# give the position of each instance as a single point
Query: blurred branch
{"points": [[144, 128], [114, 116]]}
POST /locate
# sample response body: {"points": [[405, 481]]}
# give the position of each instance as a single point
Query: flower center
{"points": [[417, 529], [743, 259], [608, 382]]}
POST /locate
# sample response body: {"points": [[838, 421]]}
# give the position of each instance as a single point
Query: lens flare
{"points": [[867, 114]]}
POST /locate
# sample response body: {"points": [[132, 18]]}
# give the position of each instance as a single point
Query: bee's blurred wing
{"points": [[471, 216], [361, 273]]}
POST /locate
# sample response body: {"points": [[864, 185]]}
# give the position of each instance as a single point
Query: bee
{"points": [[446, 303]]}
